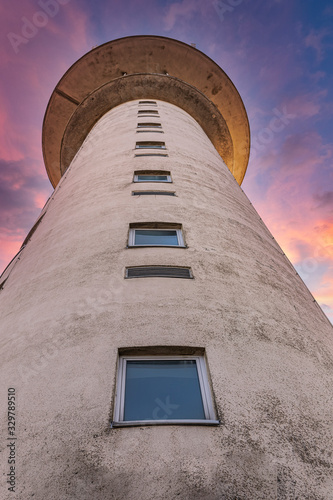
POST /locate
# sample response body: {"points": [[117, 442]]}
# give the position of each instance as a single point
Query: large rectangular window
{"points": [[155, 237], [163, 389]]}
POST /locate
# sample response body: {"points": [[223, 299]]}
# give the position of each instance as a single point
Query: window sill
{"points": [[139, 423], [151, 154], [156, 246]]}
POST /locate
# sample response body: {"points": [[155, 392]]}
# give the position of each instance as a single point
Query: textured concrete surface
{"points": [[66, 309]]}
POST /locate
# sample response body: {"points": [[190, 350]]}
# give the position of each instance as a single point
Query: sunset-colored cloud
{"points": [[8, 250], [180, 10], [289, 179], [315, 40], [306, 105], [22, 194]]}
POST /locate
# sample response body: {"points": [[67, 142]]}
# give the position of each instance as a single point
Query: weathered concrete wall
{"points": [[66, 309]]}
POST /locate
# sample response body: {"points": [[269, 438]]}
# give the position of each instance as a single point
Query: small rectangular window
{"points": [[148, 102], [163, 390], [158, 272], [155, 237], [149, 131], [153, 193], [152, 176], [149, 125], [148, 112], [150, 145]]}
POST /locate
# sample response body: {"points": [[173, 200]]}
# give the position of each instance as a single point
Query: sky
{"points": [[278, 53]]}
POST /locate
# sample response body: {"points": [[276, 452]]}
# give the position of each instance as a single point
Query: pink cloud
{"points": [[315, 40], [9, 248], [75, 29], [318, 75], [79, 38], [8, 149], [294, 199], [24, 186], [306, 105], [304, 150], [40, 199], [181, 10], [22, 194]]}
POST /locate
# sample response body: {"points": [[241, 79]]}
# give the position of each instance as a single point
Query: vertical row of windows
{"points": [[149, 110], [155, 388], [145, 234]]}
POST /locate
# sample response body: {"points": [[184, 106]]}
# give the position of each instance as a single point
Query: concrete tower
{"points": [[157, 343]]}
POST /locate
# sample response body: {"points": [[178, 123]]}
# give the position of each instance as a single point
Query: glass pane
{"points": [[155, 237], [157, 178], [152, 111], [150, 145], [149, 124], [162, 390], [158, 193]]}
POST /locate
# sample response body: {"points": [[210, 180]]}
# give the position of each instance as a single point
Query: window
{"points": [[149, 131], [158, 272], [148, 111], [149, 125], [163, 390], [155, 235], [148, 102], [150, 145], [152, 176], [162, 193]]}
